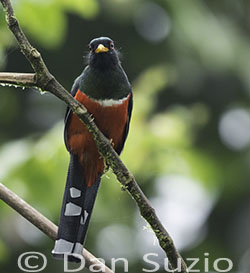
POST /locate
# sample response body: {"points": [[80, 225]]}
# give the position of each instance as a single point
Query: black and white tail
{"points": [[78, 202]]}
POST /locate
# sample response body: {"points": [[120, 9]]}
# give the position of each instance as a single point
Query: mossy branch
{"points": [[47, 82]]}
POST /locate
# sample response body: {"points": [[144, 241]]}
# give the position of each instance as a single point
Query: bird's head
{"points": [[102, 53]]}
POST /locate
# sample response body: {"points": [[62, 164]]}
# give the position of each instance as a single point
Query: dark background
{"points": [[188, 147]]}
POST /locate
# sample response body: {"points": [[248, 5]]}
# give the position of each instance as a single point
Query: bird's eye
{"points": [[112, 45], [90, 47]]}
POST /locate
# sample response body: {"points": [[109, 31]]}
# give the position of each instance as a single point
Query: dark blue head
{"points": [[102, 53]]}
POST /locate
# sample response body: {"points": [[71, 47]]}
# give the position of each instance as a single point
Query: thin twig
{"points": [[19, 79], [47, 82], [41, 222]]}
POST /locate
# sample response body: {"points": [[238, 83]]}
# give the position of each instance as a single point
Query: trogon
{"points": [[103, 88]]}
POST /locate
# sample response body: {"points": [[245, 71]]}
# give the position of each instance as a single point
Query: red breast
{"points": [[111, 120]]}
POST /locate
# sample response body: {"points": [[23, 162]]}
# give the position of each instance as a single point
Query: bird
{"points": [[104, 89]]}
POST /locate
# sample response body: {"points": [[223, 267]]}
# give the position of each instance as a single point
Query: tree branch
{"points": [[41, 222], [18, 79], [45, 81]]}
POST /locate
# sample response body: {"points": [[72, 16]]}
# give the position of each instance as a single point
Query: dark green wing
{"points": [[126, 129], [68, 113]]}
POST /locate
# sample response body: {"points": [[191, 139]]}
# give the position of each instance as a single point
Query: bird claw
{"points": [[112, 142], [106, 166]]}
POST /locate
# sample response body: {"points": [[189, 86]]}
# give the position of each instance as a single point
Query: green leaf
{"points": [[43, 22]]}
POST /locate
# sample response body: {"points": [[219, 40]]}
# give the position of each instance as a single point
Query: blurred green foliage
{"points": [[188, 145]]}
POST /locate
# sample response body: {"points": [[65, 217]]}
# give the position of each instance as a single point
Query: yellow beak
{"points": [[101, 48]]}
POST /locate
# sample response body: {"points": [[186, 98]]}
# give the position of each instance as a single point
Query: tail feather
{"points": [[78, 203]]}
